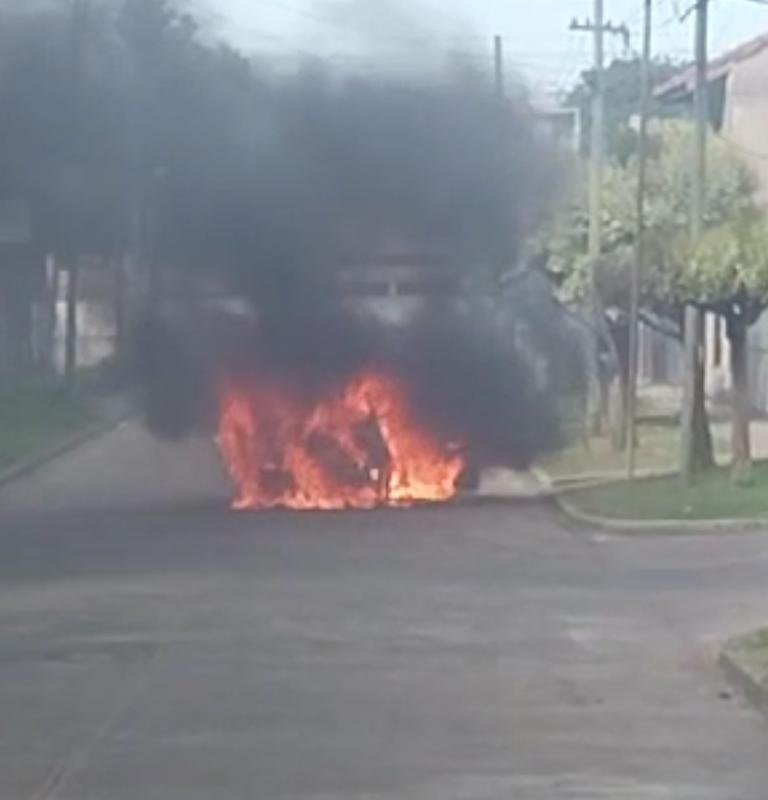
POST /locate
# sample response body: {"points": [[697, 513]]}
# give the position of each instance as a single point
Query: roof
{"points": [[683, 82]]}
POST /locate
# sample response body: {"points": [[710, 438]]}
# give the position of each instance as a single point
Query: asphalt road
{"points": [[155, 647]]}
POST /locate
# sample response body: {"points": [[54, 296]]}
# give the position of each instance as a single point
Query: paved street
{"points": [[154, 647]]}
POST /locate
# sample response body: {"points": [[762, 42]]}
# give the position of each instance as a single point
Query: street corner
{"points": [[503, 483]]}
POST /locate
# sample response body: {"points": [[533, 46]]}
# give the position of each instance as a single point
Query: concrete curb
{"points": [[659, 526], [743, 679], [589, 480], [40, 459]]}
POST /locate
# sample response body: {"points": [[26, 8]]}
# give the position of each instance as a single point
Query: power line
{"points": [[638, 264], [672, 19]]}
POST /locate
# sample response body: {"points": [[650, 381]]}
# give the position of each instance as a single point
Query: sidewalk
{"points": [[499, 483], [35, 449]]}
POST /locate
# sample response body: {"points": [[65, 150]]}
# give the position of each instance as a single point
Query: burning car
{"points": [[392, 388]]}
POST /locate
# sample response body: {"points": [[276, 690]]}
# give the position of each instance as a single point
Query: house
{"points": [[738, 102], [738, 113]]}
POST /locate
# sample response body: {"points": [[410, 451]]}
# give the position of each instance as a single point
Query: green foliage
{"points": [[128, 127], [34, 416], [63, 128], [731, 259], [108, 114], [672, 274], [622, 95], [712, 496]]}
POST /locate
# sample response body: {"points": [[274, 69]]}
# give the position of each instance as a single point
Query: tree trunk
{"points": [[618, 412], [603, 410], [741, 455], [70, 333], [703, 453], [696, 446], [51, 315], [619, 389]]}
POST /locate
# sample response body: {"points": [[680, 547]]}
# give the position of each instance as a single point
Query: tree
{"points": [[62, 130], [622, 99], [63, 136], [728, 273], [671, 278], [131, 130]]}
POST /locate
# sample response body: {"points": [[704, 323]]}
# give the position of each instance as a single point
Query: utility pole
{"points": [[79, 21], [498, 65], [598, 27], [695, 442], [638, 265], [597, 157], [701, 114]]}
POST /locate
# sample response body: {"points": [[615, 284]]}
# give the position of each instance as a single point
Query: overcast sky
{"points": [[358, 33]]}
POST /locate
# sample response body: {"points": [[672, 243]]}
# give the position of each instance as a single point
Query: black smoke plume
{"points": [[340, 173]]}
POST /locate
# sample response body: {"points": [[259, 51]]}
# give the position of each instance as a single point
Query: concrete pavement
{"points": [[153, 646]]}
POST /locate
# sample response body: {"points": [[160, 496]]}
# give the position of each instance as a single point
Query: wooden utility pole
{"points": [[701, 114], [596, 148], [70, 327], [79, 21], [695, 443], [53, 283], [597, 157], [638, 265], [598, 27], [498, 65]]}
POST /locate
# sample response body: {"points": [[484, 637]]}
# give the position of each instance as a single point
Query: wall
{"points": [[745, 116], [745, 126], [96, 328], [659, 357]]}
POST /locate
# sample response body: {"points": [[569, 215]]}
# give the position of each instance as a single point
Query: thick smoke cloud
{"points": [[340, 169], [339, 173]]}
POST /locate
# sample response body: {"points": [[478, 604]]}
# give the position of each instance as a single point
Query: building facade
{"points": [[738, 114]]}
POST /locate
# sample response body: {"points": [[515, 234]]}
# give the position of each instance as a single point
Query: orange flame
{"points": [[359, 447]]}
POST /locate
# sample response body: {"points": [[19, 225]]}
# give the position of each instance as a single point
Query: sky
{"points": [[358, 34]]}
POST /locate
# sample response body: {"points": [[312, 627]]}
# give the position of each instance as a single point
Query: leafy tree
{"points": [[622, 99], [728, 273], [128, 128], [62, 131], [674, 276], [63, 139]]}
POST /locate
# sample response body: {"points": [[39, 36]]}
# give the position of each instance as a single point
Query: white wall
{"points": [[745, 117], [96, 335]]}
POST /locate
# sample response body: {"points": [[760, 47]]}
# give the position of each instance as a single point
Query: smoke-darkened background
{"points": [[226, 178], [345, 170]]}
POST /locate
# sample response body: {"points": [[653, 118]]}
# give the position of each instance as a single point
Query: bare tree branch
{"points": [[661, 325]]}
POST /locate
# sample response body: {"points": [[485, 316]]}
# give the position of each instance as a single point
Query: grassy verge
{"points": [[658, 449], [36, 415], [712, 496]]}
